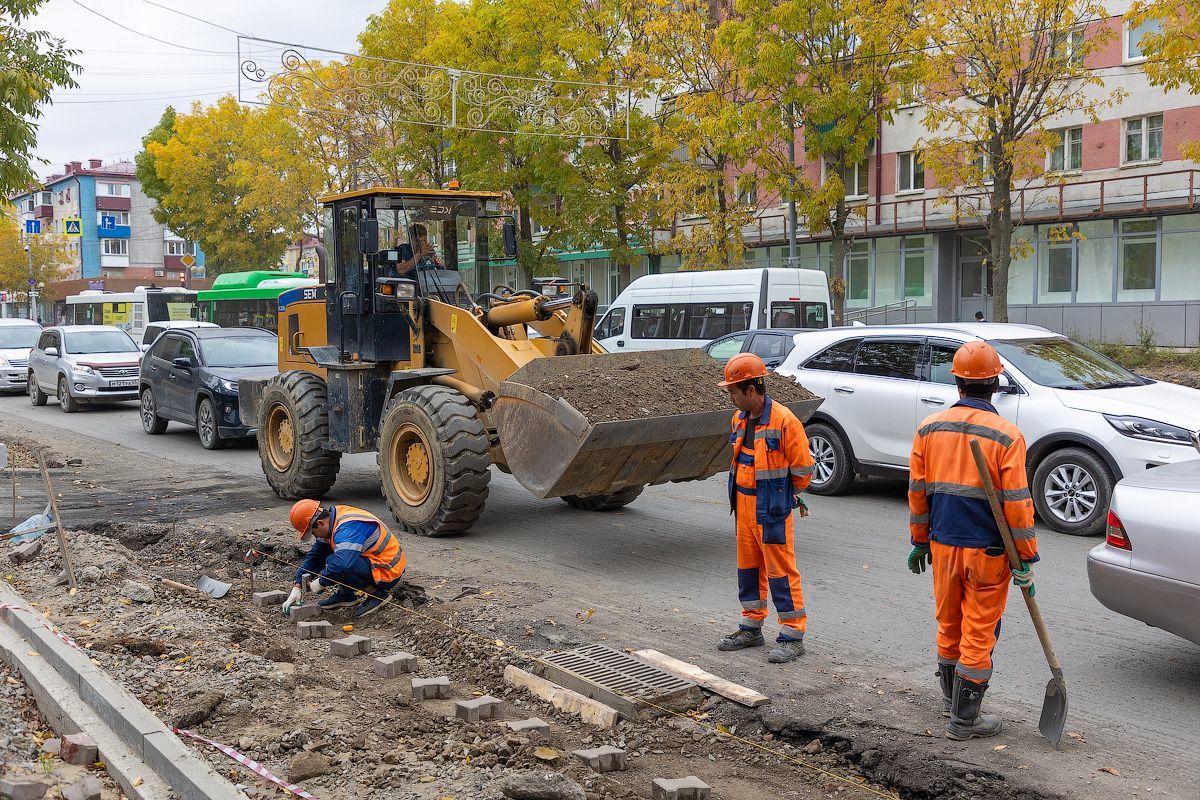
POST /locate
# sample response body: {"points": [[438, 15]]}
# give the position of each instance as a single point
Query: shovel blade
{"points": [[1054, 710], [213, 587]]}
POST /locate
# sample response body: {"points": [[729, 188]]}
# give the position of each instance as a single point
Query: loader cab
{"points": [[392, 247]]}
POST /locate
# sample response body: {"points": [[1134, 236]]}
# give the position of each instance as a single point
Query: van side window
{"points": [[836, 358], [696, 321], [803, 314], [613, 323], [649, 322]]}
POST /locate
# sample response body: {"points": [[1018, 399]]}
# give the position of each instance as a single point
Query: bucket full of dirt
{"points": [[595, 424]]}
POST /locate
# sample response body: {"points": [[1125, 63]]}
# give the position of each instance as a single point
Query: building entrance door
{"points": [[974, 278]]}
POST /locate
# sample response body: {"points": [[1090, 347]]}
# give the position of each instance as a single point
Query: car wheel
{"points": [[66, 401], [1071, 491], [152, 423], [206, 426], [36, 396], [832, 472]]}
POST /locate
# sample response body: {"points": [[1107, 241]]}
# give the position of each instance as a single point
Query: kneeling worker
{"points": [[353, 550]]}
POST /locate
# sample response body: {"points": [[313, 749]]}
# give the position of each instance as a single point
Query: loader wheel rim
{"points": [[281, 438], [410, 464]]}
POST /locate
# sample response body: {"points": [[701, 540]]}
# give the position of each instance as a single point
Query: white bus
{"points": [[131, 311], [689, 309]]}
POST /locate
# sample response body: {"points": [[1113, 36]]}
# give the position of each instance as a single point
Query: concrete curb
{"points": [[143, 734]]}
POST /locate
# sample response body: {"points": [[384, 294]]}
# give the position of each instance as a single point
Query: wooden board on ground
{"points": [[714, 683]]}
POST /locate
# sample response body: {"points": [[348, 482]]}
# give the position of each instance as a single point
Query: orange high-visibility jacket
{"points": [[782, 462], [373, 540], [946, 500]]}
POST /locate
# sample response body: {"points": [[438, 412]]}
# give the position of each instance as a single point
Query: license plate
{"points": [[123, 384]]}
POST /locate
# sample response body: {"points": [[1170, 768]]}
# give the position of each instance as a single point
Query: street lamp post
{"points": [[32, 280], [792, 219]]}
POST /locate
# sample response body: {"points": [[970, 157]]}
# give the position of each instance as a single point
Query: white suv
{"points": [[1087, 420]]}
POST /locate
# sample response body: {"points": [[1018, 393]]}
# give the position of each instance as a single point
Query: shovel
{"points": [[1054, 707]]}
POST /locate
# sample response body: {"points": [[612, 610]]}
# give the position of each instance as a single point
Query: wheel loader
{"points": [[395, 354]]}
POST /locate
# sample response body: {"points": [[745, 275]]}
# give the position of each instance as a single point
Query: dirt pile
{"points": [[621, 386], [1183, 377]]}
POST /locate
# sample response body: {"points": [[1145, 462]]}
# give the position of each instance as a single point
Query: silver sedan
{"points": [[1148, 567]]}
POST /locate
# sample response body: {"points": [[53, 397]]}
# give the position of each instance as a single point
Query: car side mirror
{"points": [[51, 351], [182, 363], [1007, 386], [368, 236], [509, 230]]}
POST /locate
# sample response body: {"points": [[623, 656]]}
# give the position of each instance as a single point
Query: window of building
{"points": [[1133, 38], [1094, 262], [910, 172], [107, 189], [858, 275], [888, 358], [47, 198], [114, 247], [1137, 255], [855, 177], [747, 193], [1180, 267], [1067, 153], [981, 159], [119, 217], [1143, 138], [1069, 46], [174, 247]]}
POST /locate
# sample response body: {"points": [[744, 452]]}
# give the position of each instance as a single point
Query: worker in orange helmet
{"points": [[352, 550], [951, 523], [771, 466]]}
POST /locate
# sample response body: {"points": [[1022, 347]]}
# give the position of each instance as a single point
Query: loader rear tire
{"points": [[604, 502], [433, 461], [292, 431]]}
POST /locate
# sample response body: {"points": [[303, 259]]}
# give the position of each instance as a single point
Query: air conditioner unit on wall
{"points": [[158, 273]]}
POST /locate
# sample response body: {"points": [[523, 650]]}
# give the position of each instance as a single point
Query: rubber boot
{"points": [[965, 720], [945, 676]]}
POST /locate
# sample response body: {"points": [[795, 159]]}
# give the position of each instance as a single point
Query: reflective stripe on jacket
{"points": [[361, 532], [946, 500], [782, 463]]}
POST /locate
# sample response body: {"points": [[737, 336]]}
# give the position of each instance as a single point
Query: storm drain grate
{"points": [[615, 678]]}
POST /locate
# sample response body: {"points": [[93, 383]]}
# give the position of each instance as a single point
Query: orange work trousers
{"points": [[766, 567], [970, 589]]}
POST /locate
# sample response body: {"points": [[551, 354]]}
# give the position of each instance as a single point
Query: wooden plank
{"points": [[68, 567], [735, 692]]}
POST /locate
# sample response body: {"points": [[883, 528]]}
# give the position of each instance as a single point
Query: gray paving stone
{"points": [[430, 688], [272, 598], [302, 613], [395, 665], [350, 646], [315, 630], [86, 789], [78, 749], [485, 707], [689, 788], [25, 552], [603, 759], [530, 726], [22, 788]]}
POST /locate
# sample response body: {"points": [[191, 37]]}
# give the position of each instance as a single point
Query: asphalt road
{"points": [[665, 566]]}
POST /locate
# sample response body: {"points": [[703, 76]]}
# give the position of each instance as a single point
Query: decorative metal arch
{"points": [[292, 75]]}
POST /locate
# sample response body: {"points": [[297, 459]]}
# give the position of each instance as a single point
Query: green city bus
{"points": [[248, 299]]}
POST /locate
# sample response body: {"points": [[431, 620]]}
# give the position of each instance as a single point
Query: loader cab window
{"points": [[417, 234]]}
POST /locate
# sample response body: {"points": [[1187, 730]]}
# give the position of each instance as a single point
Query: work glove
{"points": [[292, 599], [314, 583], [919, 558], [1023, 578], [800, 506]]}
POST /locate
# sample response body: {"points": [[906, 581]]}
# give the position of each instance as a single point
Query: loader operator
{"points": [[951, 523], [418, 253], [353, 551], [771, 466]]}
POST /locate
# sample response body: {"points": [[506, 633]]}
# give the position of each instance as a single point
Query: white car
{"points": [[1088, 421], [17, 338]]}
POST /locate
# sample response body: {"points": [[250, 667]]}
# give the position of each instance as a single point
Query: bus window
{"points": [[801, 314], [171, 306]]}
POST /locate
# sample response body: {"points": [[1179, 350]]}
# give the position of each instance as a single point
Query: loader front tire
{"points": [[433, 461], [292, 432], [604, 502]]}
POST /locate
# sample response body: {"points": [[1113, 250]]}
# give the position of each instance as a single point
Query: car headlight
{"points": [[228, 386], [1149, 430], [83, 369], [4, 363]]}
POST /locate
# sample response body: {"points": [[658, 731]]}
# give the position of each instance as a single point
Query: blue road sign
{"points": [[32, 282], [107, 223], [33, 226], [72, 226]]}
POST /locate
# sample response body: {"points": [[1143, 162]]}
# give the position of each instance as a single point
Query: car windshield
{"points": [[1063, 364], [19, 337], [90, 342], [241, 351]]}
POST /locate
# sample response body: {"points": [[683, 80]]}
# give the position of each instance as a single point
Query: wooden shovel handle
{"points": [[1014, 558]]}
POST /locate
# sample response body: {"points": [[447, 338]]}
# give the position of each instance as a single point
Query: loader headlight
{"points": [[406, 290], [1149, 430]]}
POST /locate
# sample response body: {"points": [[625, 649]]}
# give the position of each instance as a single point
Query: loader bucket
{"points": [[554, 449]]}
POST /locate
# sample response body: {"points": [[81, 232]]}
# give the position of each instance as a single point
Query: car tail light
{"points": [[1115, 533]]}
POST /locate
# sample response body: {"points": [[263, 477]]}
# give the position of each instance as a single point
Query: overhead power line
{"points": [[190, 16], [148, 36]]}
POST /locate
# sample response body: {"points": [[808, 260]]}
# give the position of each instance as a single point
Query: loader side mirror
{"points": [[510, 239], [368, 236]]}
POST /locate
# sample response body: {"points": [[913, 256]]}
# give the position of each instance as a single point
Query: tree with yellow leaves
{"points": [[50, 255], [1171, 43], [997, 74]]}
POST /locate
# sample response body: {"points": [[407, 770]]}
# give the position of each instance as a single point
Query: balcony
{"points": [[109, 203]]}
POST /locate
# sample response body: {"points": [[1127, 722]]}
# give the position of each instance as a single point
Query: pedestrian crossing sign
{"points": [[73, 226]]}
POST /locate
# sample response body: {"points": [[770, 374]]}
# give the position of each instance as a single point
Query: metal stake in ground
{"points": [[1054, 707], [62, 537]]}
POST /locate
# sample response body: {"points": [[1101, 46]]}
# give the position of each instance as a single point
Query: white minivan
{"points": [[689, 309]]}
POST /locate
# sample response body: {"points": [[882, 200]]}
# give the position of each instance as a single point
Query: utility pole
{"points": [[792, 219], [32, 280]]}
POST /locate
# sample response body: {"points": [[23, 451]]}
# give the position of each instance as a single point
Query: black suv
{"points": [[190, 375]]}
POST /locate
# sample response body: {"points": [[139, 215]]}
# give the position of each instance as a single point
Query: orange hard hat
{"points": [[743, 367], [304, 514], [976, 361]]}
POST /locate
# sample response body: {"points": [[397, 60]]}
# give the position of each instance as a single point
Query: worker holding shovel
{"points": [[952, 523]]}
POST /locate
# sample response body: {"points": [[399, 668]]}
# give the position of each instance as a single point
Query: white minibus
{"points": [[131, 311]]}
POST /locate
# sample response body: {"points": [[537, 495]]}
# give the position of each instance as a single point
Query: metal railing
{"points": [[886, 311]]}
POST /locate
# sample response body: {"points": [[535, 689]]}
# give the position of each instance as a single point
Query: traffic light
{"points": [[183, 279]]}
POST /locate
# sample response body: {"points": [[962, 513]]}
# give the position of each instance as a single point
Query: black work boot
{"points": [[945, 675], [741, 639], [965, 720]]}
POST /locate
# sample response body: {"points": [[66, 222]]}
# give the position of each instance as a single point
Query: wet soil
{"points": [[621, 386], [1183, 377]]}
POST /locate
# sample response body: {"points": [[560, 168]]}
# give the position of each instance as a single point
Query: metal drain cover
{"points": [[618, 679]]}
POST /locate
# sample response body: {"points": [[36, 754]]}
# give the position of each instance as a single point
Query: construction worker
{"points": [[352, 550], [951, 523], [771, 466]]}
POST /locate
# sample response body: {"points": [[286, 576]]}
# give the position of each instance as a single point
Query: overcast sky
{"points": [[128, 79]]}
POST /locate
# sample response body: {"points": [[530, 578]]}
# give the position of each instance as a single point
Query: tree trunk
{"points": [[1000, 233], [525, 249], [837, 267]]}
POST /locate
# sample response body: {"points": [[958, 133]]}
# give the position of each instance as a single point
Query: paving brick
{"points": [[22, 788], [86, 789], [689, 788], [530, 726], [485, 707], [78, 749], [302, 613], [429, 688], [395, 665], [25, 552], [350, 646], [603, 759], [314, 630], [272, 598]]}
